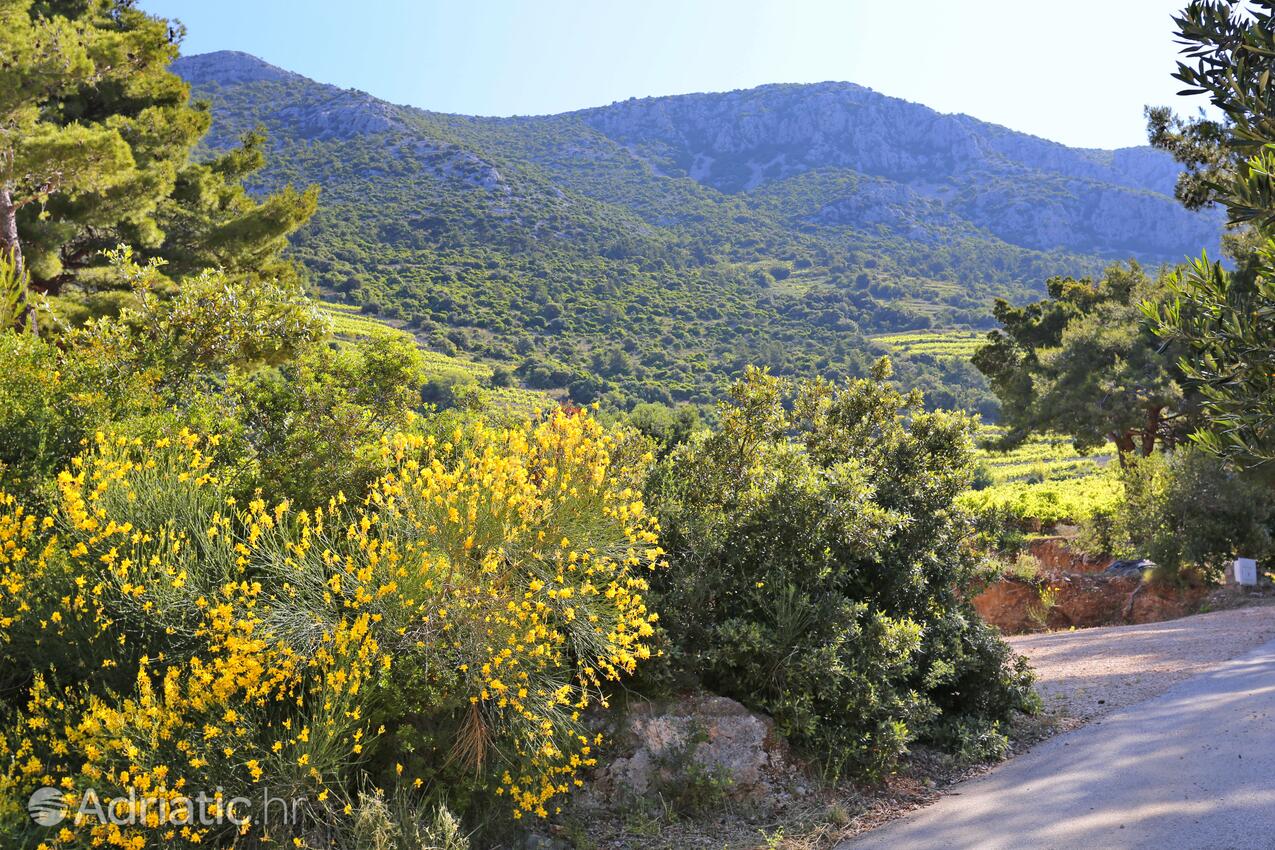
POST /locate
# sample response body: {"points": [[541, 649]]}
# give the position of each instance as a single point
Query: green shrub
{"points": [[51, 399], [312, 427], [1184, 510], [667, 426], [982, 478], [998, 529], [438, 639], [165, 357], [818, 562]]}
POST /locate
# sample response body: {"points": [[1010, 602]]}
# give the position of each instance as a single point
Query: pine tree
{"points": [[44, 60], [1082, 363], [211, 220], [96, 142]]}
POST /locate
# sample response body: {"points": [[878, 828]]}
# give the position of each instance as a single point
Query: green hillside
{"points": [[606, 260], [442, 369]]}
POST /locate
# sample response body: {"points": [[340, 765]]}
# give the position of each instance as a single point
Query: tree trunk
{"points": [[1124, 446], [9, 242], [9, 227], [1152, 430]]}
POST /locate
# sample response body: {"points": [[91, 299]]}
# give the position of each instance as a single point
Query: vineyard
{"points": [[1042, 458], [939, 344], [1043, 482], [349, 324]]}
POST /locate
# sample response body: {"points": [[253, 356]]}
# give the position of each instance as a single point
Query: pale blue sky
{"points": [[1077, 72]]}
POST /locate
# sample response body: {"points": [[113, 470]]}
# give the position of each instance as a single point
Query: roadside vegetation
{"points": [[255, 542]]}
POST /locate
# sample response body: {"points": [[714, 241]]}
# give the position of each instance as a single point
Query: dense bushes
{"points": [[49, 401], [437, 640], [817, 564], [299, 417], [1184, 510], [311, 427], [354, 600], [348, 597], [183, 614], [351, 598]]}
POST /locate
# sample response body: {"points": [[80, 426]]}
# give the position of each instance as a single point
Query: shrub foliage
{"points": [[818, 562], [438, 638], [1184, 510]]}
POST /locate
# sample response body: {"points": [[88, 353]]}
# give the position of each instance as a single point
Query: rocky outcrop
{"points": [[1055, 555], [229, 68], [452, 162], [343, 114], [773, 132], [1016, 605], [673, 748], [1025, 190], [1156, 604], [309, 110]]}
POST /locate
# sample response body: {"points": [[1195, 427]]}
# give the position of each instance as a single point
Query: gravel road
{"points": [[1189, 769], [1178, 756], [1086, 673]]}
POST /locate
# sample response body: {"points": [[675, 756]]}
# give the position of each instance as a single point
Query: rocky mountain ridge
{"points": [[1027, 191], [649, 249]]}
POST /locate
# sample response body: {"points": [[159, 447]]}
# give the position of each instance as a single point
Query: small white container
{"points": [[1245, 571]]}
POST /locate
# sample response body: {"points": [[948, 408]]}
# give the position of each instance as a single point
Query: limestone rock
{"points": [[229, 68], [309, 110], [1025, 190], [658, 747]]}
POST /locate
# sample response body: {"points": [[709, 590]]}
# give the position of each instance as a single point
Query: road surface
{"points": [[1190, 769]]}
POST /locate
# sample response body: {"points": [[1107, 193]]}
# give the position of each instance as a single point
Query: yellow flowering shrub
{"points": [[446, 629]]}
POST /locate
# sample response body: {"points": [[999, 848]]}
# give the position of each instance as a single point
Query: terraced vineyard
{"points": [[349, 324], [1042, 458], [1043, 482], [956, 344]]}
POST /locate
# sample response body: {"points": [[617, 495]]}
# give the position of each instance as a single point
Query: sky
{"points": [[1078, 72]]}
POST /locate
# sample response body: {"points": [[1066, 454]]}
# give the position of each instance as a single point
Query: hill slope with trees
{"points": [[649, 249]]}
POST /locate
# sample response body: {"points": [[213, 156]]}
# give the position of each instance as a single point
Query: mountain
{"points": [[650, 248], [1021, 189]]}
